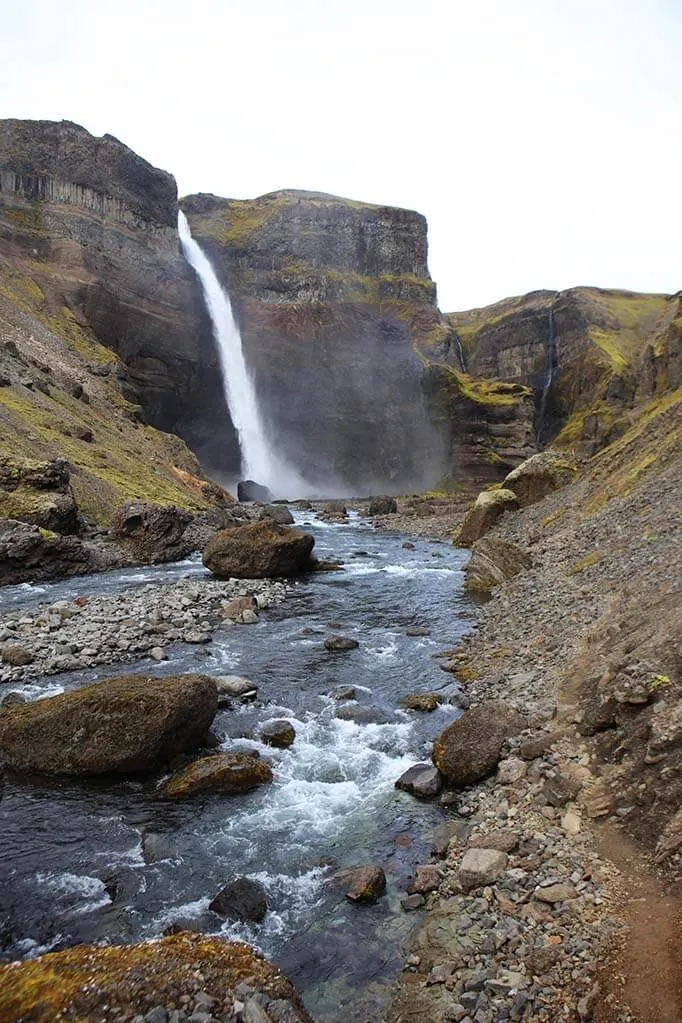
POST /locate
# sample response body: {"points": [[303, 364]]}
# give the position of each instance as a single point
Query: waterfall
{"points": [[259, 461], [549, 375], [460, 353]]}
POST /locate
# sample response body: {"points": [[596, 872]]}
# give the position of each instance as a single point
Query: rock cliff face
{"points": [[331, 296], [88, 243], [612, 351]]}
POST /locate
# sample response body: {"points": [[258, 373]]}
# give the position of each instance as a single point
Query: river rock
{"points": [[233, 610], [540, 475], [235, 685], [420, 780], [122, 725], [343, 693], [228, 774], [242, 899], [469, 749], [421, 701], [334, 510], [364, 715], [488, 508], [278, 733], [492, 563], [340, 643], [248, 490], [481, 867], [151, 533], [115, 982], [363, 884], [278, 513], [383, 506], [417, 630], [258, 550]]}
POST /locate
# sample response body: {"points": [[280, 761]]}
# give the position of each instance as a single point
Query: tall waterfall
{"points": [[549, 375], [259, 461]]}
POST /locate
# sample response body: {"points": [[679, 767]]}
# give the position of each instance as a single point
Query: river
{"points": [[94, 860]]}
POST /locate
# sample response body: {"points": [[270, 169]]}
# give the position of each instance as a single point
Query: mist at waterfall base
{"points": [[310, 464]]}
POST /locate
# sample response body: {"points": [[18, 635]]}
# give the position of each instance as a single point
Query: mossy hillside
{"points": [[448, 385], [124, 461]]}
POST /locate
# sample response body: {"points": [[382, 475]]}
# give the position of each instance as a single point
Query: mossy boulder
{"points": [[91, 982], [257, 551], [228, 774], [489, 507], [469, 749], [39, 493], [540, 475], [492, 563], [121, 725]]}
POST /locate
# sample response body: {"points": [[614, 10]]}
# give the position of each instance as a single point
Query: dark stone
{"points": [[469, 749], [242, 899], [421, 780], [260, 550], [383, 506], [340, 643], [152, 533], [280, 734], [249, 490]]}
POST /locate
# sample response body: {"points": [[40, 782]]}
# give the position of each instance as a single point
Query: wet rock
{"points": [[343, 693], [152, 533], [334, 510], [363, 884], [421, 701], [278, 513], [365, 715], [196, 637], [421, 780], [278, 733], [17, 656], [228, 774], [242, 899], [259, 550], [340, 643], [469, 749], [382, 506], [157, 653], [480, 867], [488, 508], [493, 562], [235, 685], [417, 630], [233, 610], [408, 546], [123, 725]]}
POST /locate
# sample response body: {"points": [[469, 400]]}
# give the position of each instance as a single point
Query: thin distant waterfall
{"points": [[259, 461], [549, 375]]}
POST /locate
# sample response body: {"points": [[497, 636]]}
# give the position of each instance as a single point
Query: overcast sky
{"points": [[541, 138]]}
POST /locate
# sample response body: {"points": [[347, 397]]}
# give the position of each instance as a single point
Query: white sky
{"points": [[541, 138]]}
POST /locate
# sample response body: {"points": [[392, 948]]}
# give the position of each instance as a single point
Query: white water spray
{"points": [[259, 461]]}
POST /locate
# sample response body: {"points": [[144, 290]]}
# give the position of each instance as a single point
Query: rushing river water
{"points": [[84, 861]]}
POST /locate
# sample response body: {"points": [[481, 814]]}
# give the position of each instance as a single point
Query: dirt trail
{"points": [[642, 980]]}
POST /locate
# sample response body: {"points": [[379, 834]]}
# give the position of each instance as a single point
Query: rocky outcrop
{"points": [[470, 748], [38, 493], [123, 725], [488, 507], [188, 969], [152, 533], [492, 563], [540, 475], [29, 553], [259, 550]]}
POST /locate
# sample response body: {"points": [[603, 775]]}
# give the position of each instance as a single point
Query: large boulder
{"points": [[279, 513], [242, 899], [257, 551], [29, 553], [489, 506], [229, 774], [492, 563], [39, 493], [383, 506], [121, 725], [152, 533], [91, 982], [539, 475], [469, 749], [249, 490]]}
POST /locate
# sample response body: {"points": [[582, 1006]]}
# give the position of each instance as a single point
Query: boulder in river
{"points": [[242, 899], [488, 508], [278, 733], [278, 513], [258, 551], [233, 610], [249, 490], [492, 563], [340, 643], [420, 780], [229, 774], [422, 701], [121, 725], [91, 982], [469, 749], [362, 884], [235, 685], [152, 533]]}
